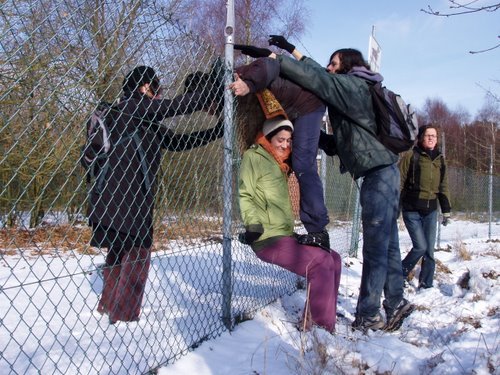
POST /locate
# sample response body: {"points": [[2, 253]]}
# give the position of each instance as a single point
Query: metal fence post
{"points": [[227, 286], [356, 221], [490, 193]]}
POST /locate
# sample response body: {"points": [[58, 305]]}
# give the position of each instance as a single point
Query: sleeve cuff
{"points": [[257, 228]]}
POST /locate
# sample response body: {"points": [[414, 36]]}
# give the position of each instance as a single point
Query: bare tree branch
{"points": [[461, 9]]}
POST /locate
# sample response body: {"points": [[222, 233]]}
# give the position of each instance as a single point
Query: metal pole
{"points": [[490, 193], [356, 221], [438, 239], [322, 157], [227, 285]]}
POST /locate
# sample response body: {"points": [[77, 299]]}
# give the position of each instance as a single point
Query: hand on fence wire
{"points": [[281, 42], [239, 87]]}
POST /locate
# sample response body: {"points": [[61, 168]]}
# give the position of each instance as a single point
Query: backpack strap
{"points": [[142, 159]]}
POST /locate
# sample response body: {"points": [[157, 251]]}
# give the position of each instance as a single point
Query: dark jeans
{"points": [[422, 230], [313, 212], [381, 257]]}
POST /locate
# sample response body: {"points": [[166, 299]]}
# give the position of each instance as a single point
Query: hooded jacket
{"points": [[122, 198], [263, 195], [350, 110], [264, 73], [424, 182]]}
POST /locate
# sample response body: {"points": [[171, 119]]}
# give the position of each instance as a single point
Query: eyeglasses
{"points": [[430, 136]]}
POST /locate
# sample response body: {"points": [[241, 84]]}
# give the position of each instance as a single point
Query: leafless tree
{"points": [[462, 8]]}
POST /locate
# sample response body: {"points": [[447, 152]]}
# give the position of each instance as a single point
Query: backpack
{"points": [[97, 142], [397, 126], [98, 146]]}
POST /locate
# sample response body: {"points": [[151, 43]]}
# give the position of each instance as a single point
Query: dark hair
{"points": [[138, 77], [423, 128], [277, 130], [349, 58]]}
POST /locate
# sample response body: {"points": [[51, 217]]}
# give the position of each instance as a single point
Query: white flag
{"points": [[374, 54]]}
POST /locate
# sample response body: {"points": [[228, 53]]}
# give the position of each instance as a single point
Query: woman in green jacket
{"points": [[267, 214], [423, 183]]}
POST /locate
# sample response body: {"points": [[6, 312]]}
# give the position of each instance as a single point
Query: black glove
{"points": [[446, 221], [248, 238], [281, 42], [326, 143], [253, 51]]}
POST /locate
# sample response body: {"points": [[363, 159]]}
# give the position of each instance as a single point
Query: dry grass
{"points": [[441, 267], [462, 251], [50, 240]]}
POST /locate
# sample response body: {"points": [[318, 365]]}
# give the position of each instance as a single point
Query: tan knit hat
{"points": [[275, 123]]}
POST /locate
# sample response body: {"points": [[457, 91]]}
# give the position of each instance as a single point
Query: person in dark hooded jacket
{"points": [[122, 199], [344, 87]]}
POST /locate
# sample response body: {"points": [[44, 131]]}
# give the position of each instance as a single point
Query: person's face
{"points": [[282, 141], [430, 139], [334, 65], [151, 90]]}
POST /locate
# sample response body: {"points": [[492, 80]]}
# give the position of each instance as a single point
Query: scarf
{"points": [[282, 161]]}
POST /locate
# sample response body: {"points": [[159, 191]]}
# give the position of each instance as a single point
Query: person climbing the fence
{"points": [[306, 112], [344, 88], [424, 183], [266, 212], [122, 198]]}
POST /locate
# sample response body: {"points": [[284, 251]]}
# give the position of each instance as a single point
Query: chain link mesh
{"points": [[59, 61]]}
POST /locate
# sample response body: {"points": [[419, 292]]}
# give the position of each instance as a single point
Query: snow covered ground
{"points": [[454, 330], [50, 326]]}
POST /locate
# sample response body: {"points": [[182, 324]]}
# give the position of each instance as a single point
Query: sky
{"points": [[423, 56]]}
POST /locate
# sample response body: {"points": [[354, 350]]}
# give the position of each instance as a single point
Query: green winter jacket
{"points": [[350, 110], [424, 182], [264, 197]]}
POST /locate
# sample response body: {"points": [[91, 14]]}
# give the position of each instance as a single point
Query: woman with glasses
{"points": [[424, 183]]}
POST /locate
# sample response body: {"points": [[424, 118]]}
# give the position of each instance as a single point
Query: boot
{"points": [[111, 278], [130, 290]]}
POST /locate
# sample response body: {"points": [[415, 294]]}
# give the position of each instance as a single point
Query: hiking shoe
{"points": [[396, 317], [362, 323], [320, 239]]}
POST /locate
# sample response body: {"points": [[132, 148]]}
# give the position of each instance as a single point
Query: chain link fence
{"points": [[474, 194], [58, 61]]}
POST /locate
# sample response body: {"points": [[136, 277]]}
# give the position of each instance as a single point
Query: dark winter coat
{"points": [[424, 182], [350, 109], [122, 199], [264, 73]]}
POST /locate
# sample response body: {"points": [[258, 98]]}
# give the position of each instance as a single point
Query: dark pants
{"points": [[321, 269], [313, 212], [382, 270], [125, 276], [422, 230]]}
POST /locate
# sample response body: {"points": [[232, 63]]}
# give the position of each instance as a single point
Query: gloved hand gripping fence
{"points": [[280, 42]]}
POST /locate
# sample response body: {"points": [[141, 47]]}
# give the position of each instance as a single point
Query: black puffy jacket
{"points": [[123, 196]]}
